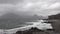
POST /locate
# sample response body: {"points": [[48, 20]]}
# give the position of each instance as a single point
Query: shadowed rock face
{"points": [[56, 23], [57, 16], [24, 32], [35, 31], [30, 31]]}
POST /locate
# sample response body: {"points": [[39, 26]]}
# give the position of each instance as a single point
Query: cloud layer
{"points": [[40, 7]]}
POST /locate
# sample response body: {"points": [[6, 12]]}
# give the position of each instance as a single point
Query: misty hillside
{"points": [[57, 16], [11, 20]]}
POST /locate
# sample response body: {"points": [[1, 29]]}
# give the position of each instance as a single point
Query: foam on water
{"points": [[39, 25]]}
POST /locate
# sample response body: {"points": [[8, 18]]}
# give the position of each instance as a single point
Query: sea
{"points": [[39, 24]]}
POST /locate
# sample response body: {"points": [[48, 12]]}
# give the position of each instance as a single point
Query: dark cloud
{"points": [[10, 1], [40, 7]]}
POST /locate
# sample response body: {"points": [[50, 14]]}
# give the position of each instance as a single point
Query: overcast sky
{"points": [[40, 7]]}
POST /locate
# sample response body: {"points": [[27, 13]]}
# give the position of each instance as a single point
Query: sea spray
{"points": [[39, 24]]}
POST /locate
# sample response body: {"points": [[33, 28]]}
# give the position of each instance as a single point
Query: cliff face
{"points": [[57, 16], [55, 21]]}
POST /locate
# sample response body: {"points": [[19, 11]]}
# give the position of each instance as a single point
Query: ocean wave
{"points": [[39, 25]]}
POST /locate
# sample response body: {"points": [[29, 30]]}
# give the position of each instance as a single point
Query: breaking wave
{"points": [[38, 24]]}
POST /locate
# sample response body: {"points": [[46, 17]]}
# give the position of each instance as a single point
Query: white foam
{"points": [[39, 25]]}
